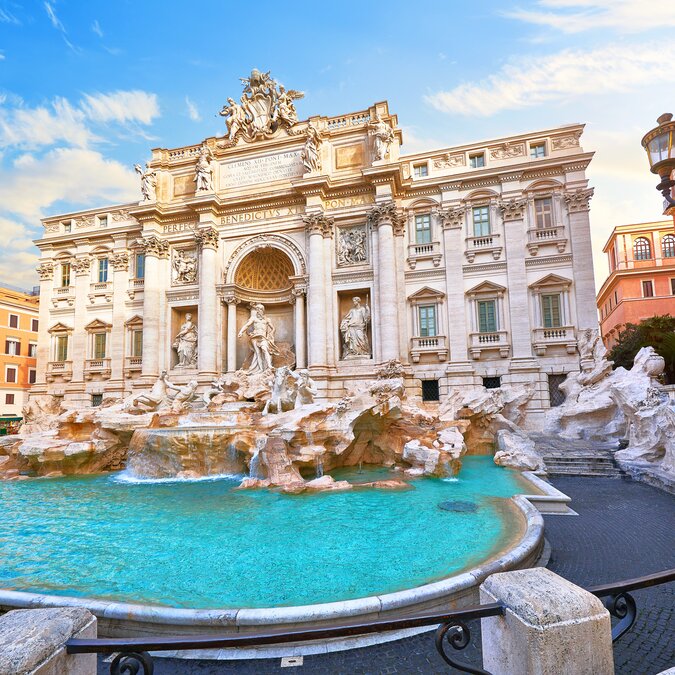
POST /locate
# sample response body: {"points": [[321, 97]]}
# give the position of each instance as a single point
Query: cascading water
{"points": [[319, 466], [254, 466]]}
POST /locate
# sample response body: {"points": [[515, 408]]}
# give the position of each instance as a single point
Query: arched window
{"points": [[642, 249], [668, 246]]}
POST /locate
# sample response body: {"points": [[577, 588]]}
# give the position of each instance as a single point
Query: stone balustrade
{"points": [[59, 369], [433, 345], [560, 336], [490, 243], [430, 251], [494, 340], [99, 367], [537, 237]]}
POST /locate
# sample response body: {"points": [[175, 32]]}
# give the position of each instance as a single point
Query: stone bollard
{"points": [[32, 641], [551, 626]]}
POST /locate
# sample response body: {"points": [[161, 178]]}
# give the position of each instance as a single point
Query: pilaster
{"points": [[80, 266], [46, 273], [207, 239], [120, 264]]}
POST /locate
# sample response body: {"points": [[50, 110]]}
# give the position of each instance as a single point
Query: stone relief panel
{"points": [[183, 266], [450, 161], [567, 141], [352, 246], [507, 150]]}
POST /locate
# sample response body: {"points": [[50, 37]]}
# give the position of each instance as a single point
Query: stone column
{"points": [[155, 249], [117, 354], [386, 219], [550, 626], [300, 327], [207, 238], [331, 329], [232, 303], [582, 257], [316, 292], [78, 352], [513, 213], [44, 353]]}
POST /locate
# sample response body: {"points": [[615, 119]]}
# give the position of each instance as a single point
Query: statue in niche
{"points": [[354, 329], [184, 267], [153, 399], [185, 344], [310, 153], [261, 334], [352, 246], [148, 182], [203, 171], [382, 134]]}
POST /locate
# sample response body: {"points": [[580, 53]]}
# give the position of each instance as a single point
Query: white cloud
{"points": [[576, 16], [96, 27], [56, 22], [8, 17], [193, 111], [571, 74], [121, 106]]}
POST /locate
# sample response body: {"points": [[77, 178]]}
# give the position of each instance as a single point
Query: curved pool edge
{"points": [[118, 619]]}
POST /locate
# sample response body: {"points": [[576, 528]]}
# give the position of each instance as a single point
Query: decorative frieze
{"points": [[513, 209], [85, 221], [387, 213], [45, 271], [352, 246], [154, 246], [566, 141], [578, 200], [120, 261], [507, 151], [183, 266], [207, 237], [450, 161]]}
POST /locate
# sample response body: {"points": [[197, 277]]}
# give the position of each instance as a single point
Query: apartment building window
{"points": [[9, 399], [140, 265], [616, 298], [102, 270], [99, 345], [427, 320], [34, 324], [61, 351], [647, 289], [13, 347], [668, 246], [32, 376], [487, 316], [420, 170], [423, 229], [555, 394], [13, 321], [137, 342], [543, 210], [550, 310], [672, 286], [537, 150], [32, 350], [10, 374], [481, 221], [65, 275], [477, 161], [642, 249]]}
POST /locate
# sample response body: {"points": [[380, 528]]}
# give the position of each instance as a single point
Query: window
{"points": [[481, 221], [642, 249], [492, 382], [13, 321], [616, 298], [61, 348], [102, 270], [430, 390], [32, 376], [140, 265], [427, 317], [555, 394], [32, 350], [672, 286], [96, 400], [66, 228], [137, 343], [34, 324], [423, 229], [9, 399], [668, 246], [537, 150], [65, 275], [487, 316], [543, 210], [10, 374], [647, 289], [550, 310], [420, 170], [477, 161], [103, 221], [13, 347], [99, 345]]}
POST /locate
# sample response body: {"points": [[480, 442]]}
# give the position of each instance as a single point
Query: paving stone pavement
{"points": [[624, 529]]}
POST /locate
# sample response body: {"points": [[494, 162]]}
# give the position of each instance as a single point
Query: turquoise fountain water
{"points": [[202, 544]]}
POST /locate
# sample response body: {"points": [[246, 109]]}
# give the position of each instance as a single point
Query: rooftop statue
{"points": [[148, 182]]}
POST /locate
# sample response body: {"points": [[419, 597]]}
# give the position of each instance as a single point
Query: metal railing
{"points": [[132, 654]]}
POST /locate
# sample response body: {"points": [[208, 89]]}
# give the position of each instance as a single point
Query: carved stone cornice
{"points": [[45, 271], [513, 209], [451, 218], [578, 200], [298, 292], [387, 213], [120, 261], [207, 237], [81, 266], [154, 246], [319, 223]]}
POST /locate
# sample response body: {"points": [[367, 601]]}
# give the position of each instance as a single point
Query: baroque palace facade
{"points": [[472, 264]]}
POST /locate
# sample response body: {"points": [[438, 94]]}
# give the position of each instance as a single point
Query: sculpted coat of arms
{"points": [[265, 106]]}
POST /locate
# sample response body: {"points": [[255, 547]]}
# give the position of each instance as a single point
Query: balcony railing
{"points": [[494, 340], [135, 286], [97, 367], [59, 369], [132, 364], [430, 251], [559, 336], [490, 243], [546, 235], [101, 289], [433, 344]]}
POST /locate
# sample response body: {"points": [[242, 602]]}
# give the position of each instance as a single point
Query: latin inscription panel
{"points": [[266, 169]]}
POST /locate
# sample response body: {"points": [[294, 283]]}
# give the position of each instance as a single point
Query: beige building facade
{"points": [[472, 264]]}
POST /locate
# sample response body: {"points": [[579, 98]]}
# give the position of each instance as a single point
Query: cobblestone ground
{"points": [[624, 529]]}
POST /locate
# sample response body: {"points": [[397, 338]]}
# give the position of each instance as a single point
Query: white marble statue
{"points": [[354, 329], [282, 393], [184, 267], [306, 388], [261, 334], [184, 395], [235, 118], [382, 135], [203, 171], [352, 246], [152, 400], [217, 387], [310, 153], [185, 344], [148, 182], [285, 107]]}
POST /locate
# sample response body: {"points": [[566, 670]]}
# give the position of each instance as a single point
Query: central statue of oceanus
{"points": [[261, 334]]}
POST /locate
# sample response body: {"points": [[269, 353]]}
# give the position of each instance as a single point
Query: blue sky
{"points": [[87, 88]]}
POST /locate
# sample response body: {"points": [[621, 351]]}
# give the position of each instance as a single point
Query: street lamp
{"points": [[660, 146]]}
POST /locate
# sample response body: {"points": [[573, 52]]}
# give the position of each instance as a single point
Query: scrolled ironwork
{"points": [[131, 663], [457, 635], [623, 607]]}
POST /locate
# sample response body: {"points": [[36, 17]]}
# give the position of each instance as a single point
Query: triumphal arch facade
{"points": [[459, 266]]}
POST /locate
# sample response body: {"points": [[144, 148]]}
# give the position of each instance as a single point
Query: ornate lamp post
{"points": [[660, 146]]}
